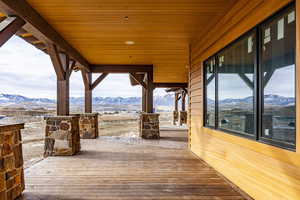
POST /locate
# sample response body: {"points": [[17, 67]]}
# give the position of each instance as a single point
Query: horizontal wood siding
{"points": [[263, 171]]}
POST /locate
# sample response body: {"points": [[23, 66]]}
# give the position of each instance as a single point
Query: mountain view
{"points": [[274, 100], [166, 100]]}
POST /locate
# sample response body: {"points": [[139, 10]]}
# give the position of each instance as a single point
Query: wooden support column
{"points": [[144, 93], [176, 102], [88, 91], [63, 96], [63, 67], [183, 94], [149, 93]]}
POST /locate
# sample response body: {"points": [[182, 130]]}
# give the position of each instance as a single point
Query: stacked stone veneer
{"points": [[88, 126], [149, 126], [175, 117], [62, 136], [11, 162], [182, 117]]}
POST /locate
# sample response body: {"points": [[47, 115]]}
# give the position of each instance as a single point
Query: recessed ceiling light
{"points": [[129, 42]]}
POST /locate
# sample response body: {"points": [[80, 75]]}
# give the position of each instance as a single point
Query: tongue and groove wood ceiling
{"points": [[160, 29]]}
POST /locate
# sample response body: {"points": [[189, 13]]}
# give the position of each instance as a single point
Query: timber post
{"points": [[63, 67], [149, 92]]}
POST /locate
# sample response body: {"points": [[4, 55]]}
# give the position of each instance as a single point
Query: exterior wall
{"points": [[62, 136], [11, 162], [263, 171]]}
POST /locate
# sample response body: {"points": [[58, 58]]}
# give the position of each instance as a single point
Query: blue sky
{"points": [[27, 71]]}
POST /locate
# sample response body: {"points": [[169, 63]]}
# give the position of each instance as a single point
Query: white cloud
{"points": [[29, 72]]}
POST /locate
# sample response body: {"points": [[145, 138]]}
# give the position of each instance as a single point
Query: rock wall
{"points": [[62, 136], [175, 117], [11, 162], [149, 126], [182, 117], [88, 126]]}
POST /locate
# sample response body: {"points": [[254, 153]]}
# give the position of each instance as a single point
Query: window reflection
{"points": [[236, 86], [278, 78], [210, 92]]}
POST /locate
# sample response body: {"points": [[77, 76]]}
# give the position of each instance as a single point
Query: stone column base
{"points": [[62, 136], [149, 126], [175, 117], [88, 126], [11, 162], [182, 117]]}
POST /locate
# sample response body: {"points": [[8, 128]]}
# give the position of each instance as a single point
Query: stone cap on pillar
{"points": [[6, 127], [86, 114], [144, 113], [61, 117]]}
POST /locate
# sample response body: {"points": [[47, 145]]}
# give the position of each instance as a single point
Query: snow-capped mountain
{"points": [[269, 99], [166, 100]]}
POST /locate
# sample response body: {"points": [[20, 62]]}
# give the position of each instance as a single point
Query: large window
{"points": [[250, 84], [236, 66], [277, 72]]}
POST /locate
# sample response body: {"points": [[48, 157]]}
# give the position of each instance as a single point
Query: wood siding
{"points": [[263, 171]]}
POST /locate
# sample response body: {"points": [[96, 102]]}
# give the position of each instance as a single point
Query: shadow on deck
{"points": [[113, 168]]}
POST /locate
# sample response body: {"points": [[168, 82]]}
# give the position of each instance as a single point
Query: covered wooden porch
{"points": [[128, 168]]}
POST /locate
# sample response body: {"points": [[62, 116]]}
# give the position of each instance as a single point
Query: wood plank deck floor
{"points": [[113, 168]]}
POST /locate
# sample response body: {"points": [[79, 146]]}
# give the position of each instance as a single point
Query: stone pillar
{"points": [[149, 126], [88, 126], [11, 162], [62, 136], [182, 117], [175, 116]]}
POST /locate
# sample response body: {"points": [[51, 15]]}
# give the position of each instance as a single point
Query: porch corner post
{"points": [[63, 92]]}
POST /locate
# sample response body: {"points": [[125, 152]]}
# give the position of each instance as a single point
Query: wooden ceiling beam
{"points": [[121, 68], [98, 80], [40, 28], [170, 85], [8, 27]]}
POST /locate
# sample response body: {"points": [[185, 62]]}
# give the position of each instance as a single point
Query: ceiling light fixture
{"points": [[129, 42]]}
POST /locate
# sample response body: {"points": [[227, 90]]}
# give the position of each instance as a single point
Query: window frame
{"points": [[258, 91], [260, 137]]}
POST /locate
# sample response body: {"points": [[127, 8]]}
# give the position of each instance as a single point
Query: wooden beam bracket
{"points": [[98, 80], [8, 27], [39, 27], [138, 79]]}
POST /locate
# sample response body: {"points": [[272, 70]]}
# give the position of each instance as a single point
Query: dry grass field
{"points": [[118, 124]]}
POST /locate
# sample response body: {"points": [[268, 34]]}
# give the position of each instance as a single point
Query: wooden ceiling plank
{"points": [[8, 27], [22, 9], [170, 85]]}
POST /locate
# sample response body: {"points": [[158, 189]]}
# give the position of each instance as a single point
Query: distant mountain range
{"points": [[270, 99], [166, 100]]}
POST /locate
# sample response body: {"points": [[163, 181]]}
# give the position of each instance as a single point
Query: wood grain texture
{"points": [[128, 169], [161, 30], [263, 171]]}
